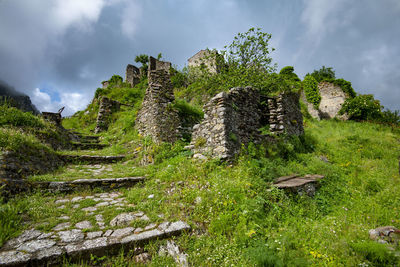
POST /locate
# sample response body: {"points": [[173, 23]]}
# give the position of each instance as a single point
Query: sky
{"points": [[59, 51]]}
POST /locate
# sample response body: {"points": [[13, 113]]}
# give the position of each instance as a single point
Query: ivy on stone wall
{"points": [[310, 87], [346, 87]]}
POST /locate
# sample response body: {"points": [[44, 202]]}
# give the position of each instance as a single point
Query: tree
{"points": [[250, 50], [288, 73], [144, 59]]}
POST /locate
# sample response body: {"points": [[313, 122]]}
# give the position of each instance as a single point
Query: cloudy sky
{"points": [[58, 51]]}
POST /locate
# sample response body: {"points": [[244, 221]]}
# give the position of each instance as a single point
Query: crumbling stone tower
{"points": [[157, 118]]}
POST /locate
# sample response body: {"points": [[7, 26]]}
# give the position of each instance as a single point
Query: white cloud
{"points": [[76, 13], [72, 102], [131, 15]]}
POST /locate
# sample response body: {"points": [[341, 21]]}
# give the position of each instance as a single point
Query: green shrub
{"points": [[15, 117], [310, 87], [288, 73], [346, 87], [391, 117], [362, 107], [323, 74]]}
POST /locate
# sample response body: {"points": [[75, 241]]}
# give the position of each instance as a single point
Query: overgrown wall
{"points": [[157, 118], [106, 109], [332, 99], [132, 75]]}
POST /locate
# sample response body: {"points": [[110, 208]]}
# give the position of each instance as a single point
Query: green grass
{"points": [[238, 218]]}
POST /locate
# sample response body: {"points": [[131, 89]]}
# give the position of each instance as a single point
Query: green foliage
{"points": [[179, 78], [376, 253], [362, 107], [391, 117], [10, 219], [250, 50], [115, 80], [310, 87], [346, 87], [288, 73], [15, 117], [323, 74], [144, 59]]}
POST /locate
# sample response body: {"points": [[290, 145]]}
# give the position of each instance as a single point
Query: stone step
{"points": [[34, 248], [85, 184], [296, 184], [85, 146], [91, 159]]}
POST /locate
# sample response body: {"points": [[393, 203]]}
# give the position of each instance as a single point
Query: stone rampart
{"points": [[106, 109], [204, 57], [157, 118]]}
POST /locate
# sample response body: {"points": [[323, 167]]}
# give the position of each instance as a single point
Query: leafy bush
{"points": [[362, 107], [323, 74], [288, 73], [15, 117], [310, 87], [346, 87], [391, 117]]}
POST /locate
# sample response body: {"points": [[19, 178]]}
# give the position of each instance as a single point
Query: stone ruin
{"points": [[155, 64], [332, 99], [230, 119], [132, 75], [106, 108], [284, 114], [234, 118], [157, 118], [206, 58]]}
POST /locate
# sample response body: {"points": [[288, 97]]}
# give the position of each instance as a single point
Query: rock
{"points": [[150, 196], [84, 225], [123, 219], [173, 250], [385, 234], [14, 258], [62, 226], [142, 258], [92, 235], [199, 156], [89, 209], [122, 232], [73, 235], [36, 245], [76, 199]]}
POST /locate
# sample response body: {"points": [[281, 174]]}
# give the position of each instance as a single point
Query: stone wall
{"points": [[284, 114], [155, 64], [156, 117], [132, 75], [106, 109], [206, 58], [230, 119], [332, 99], [52, 117]]}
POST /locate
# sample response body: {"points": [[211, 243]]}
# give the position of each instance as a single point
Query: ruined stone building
{"points": [[106, 109], [332, 99], [157, 118], [132, 75], [235, 118], [205, 58]]}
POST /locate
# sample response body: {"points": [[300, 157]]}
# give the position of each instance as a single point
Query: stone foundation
{"points": [[157, 118], [285, 115], [107, 107]]}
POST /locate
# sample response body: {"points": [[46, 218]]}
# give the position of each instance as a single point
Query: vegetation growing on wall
{"points": [[310, 87]]}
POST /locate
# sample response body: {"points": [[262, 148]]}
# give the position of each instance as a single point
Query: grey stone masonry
{"points": [[230, 120], [285, 114], [156, 117], [204, 57], [332, 99], [55, 118], [107, 107], [132, 75], [155, 64]]}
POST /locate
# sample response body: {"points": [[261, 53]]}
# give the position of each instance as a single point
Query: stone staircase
{"points": [[94, 235]]}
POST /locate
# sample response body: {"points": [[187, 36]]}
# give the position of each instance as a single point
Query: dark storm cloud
{"points": [[66, 48]]}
